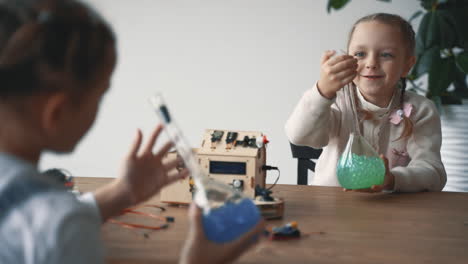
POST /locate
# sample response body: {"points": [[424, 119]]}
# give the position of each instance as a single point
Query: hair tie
{"points": [[397, 115], [400, 113]]}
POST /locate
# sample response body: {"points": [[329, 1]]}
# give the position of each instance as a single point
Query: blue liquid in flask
{"points": [[231, 220]]}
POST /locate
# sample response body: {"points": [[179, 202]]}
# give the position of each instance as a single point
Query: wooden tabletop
{"points": [[339, 227]]}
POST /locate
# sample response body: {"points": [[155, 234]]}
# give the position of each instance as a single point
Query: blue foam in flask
{"points": [[231, 220]]}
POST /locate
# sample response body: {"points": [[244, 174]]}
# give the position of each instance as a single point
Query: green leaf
{"points": [[447, 33], [430, 4], [425, 34], [459, 13], [336, 4], [427, 4], [462, 61], [415, 15], [436, 29], [425, 61], [441, 75]]}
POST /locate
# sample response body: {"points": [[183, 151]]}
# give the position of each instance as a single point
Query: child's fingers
{"points": [[136, 144], [149, 146], [344, 65], [163, 151], [195, 217], [348, 79], [171, 164], [178, 175], [377, 188], [335, 60], [327, 55], [174, 176], [345, 74], [385, 161]]}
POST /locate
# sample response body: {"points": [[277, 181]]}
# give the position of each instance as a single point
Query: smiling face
{"points": [[383, 58]]}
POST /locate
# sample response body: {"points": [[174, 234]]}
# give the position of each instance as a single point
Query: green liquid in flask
{"points": [[359, 172]]}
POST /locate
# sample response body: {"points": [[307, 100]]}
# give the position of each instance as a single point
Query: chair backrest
{"points": [[304, 156]]}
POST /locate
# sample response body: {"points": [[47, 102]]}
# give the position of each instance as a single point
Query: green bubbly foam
{"points": [[360, 172]]}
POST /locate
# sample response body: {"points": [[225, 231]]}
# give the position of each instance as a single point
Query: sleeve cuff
{"points": [[89, 201], [319, 96]]}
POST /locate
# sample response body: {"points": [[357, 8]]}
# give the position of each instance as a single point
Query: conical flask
{"points": [[227, 213], [359, 166]]}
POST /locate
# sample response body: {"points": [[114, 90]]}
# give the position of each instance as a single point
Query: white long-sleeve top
{"points": [[415, 161]]}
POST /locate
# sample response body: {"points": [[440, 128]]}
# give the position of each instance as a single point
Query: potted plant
{"points": [[442, 56]]}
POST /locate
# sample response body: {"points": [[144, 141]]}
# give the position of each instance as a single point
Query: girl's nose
{"points": [[371, 62]]}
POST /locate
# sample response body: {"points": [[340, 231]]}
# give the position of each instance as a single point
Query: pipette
{"points": [[227, 213]]}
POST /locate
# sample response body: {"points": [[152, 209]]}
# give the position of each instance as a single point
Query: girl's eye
{"points": [[359, 54], [387, 55]]}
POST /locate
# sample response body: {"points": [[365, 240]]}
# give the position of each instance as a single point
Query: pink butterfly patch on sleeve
{"points": [[397, 115]]}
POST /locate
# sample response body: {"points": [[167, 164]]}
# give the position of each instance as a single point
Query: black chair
{"points": [[304, 156]]}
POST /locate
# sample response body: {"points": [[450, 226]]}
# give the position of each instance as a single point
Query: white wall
{"points": [[239, 65]]}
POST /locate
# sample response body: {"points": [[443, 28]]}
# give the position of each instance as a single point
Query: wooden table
{"points": [[356, 228]]}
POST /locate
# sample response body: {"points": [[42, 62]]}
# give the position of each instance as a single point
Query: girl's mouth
{"points": [[372, 77]]}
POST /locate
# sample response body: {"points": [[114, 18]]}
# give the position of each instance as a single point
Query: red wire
{"points": [[149, 215]]}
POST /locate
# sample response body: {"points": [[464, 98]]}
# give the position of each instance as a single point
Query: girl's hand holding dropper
{"points": [[335, 72]]}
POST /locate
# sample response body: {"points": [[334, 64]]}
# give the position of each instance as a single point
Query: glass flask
{"points": [[359, 166], [227, 213]]}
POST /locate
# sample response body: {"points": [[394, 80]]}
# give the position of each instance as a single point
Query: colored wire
{"points": [[149, 215]]}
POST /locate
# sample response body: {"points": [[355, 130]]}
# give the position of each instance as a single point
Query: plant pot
{"points": [[454, 149]]}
